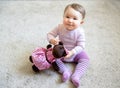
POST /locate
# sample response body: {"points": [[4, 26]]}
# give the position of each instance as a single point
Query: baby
{"points": [[71, 33]]}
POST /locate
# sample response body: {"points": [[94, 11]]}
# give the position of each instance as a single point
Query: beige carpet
{"points": [[23, 27]]}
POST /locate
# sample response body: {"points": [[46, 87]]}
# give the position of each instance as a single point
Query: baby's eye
{"points": [[75, 18], [67, 17]]}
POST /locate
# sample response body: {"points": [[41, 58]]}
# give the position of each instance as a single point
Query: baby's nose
{"points": [[70, 20]]}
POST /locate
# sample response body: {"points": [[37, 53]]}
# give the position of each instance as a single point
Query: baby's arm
{"points": [[80, 45], [74, 51], [70, 54], [51, 36]]}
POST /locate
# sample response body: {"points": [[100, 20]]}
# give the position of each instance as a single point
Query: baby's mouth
{"points": [[70, 25]]}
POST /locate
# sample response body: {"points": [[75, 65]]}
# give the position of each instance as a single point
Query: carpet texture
{"points": [[23, 27]]}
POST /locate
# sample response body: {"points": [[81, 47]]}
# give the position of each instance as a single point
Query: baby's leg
{"points": [[79, 70], [63, 70]]}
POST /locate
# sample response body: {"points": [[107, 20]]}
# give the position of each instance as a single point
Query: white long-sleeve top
{"points": [[73, 40]]}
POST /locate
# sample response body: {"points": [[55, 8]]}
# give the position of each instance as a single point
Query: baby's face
{"points": [[72, 19]]}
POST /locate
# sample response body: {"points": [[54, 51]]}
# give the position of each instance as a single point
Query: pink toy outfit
{"points": [[73, 40], [39, 58]]}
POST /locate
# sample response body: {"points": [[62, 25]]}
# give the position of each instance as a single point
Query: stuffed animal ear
{"points": [[49, 46], [60, 43]]}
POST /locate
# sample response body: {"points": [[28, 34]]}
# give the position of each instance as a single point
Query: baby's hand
{"points": [[70, 53], [54, 41]]}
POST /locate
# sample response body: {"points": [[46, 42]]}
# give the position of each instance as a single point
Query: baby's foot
{"points": [[66, 76], [75, 81]]}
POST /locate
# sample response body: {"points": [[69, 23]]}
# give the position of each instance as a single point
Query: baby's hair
{"points": [[78, 8]]}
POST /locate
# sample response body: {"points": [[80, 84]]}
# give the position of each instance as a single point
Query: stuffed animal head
{"points": [[58, 50]]}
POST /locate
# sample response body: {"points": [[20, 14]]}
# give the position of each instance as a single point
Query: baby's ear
{"points": [[49, 46], [82, 22], [60, 43]]}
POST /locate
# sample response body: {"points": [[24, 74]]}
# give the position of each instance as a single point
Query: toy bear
{"points": [[43, 58]]}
